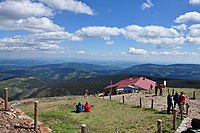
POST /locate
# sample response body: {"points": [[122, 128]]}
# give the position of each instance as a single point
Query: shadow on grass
{"points": [[135, 107], [162, 112], [145, 109]]}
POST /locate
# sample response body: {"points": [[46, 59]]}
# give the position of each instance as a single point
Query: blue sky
{"points": [[150, 31]]}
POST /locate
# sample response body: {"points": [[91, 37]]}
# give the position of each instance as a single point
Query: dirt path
{"points": [[159, 102]]}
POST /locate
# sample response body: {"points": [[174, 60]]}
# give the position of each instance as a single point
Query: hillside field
{"points": [[105, 115]]}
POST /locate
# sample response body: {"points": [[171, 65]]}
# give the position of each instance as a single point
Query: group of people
{"points": [[160, 87], [178, 99], [79, 107]]}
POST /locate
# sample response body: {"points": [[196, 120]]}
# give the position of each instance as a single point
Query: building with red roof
{"points": [[141, 82]]}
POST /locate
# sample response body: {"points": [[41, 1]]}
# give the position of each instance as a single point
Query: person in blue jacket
{"points": [[169, 103], [79, 108]]}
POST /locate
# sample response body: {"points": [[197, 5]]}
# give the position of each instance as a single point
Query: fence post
{"points": [[174, 118], [173, 92], [168, 91], [36, 116], [110, 89], [6, 98], [151, 103], [187, 108], [194, 95], [83, 128], [140, 102], [123, 99], [181, 110], [159, 126]]}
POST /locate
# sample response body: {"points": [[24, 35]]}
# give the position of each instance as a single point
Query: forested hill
{"points": [[176, 71]]}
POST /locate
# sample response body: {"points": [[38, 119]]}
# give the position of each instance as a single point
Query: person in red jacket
{"points": [[87, 107], [182, 99]]}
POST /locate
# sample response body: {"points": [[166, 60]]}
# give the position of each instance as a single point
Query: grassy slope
{"points": [[105, 115]]}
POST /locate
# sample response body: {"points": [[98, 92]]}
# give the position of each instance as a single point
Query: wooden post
{"points": [[111, 89], [168, 91], [173, 92], [181, 110], [36, 116], [159, 126], [6, 98], [194, 95], [140, 102], [151, 103], [86, 93], [83, 128], [174, 118], [123, 99], [187, 108]]}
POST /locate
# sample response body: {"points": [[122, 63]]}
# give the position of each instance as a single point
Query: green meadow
{"points": [[105, 116]]}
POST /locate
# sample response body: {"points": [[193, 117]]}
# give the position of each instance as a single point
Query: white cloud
{"points": [[98, 32], [37, 42], [110, 42], [181, 27], [189, 16], [151, 34], [157, 53], [70, 5], [147, 5], [178, 47], [20, 9], [123, 53], [81, 52], [194, 30], [172, 53], [194, 2], [31, 24], [106, 38], [192, 40], [137, 51]]}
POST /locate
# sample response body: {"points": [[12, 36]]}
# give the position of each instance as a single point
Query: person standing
{"points": [[169, 103], [161, 89], [156, 90], [182, 98], [176, 98]]}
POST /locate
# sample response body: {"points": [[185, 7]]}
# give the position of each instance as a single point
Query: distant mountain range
{"points": [[34, 80], [176, 71]]}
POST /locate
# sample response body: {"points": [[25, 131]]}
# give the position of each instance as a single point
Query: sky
{"points": [[150, 31]]}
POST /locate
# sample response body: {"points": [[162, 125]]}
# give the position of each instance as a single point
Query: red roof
{"points": [[141, 82]]}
